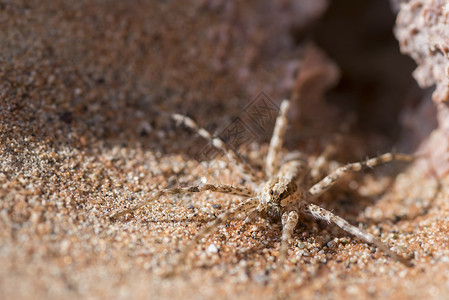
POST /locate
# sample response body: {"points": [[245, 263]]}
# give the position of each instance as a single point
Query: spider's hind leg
{"points": [[277, 139], [321, 163], [246, 169]]}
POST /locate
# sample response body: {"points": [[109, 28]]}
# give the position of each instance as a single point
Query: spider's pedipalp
{"points": [[277, 140], [246, 170], [332, 178], [323, 214], [219, 188]]}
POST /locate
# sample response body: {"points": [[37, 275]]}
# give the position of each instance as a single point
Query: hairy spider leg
{"points": [[323, 214], [220, 188], [328, 181], [277, 139], [289, 221], [320, 163], [246, 170]]}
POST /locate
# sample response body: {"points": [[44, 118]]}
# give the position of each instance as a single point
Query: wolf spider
{"points": [[280, 195]]}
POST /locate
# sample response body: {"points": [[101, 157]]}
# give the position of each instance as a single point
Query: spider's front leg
{"points": [[219, 188], [331, 179], [289, 221], [323, 214]]}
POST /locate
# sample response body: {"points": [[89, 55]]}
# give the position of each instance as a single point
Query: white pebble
{"points": [[212, 249]]}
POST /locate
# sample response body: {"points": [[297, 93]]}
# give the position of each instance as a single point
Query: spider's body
{"points": [[283, 193]]}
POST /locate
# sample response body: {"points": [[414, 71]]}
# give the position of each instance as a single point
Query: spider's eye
{"points": [[271, 192]]}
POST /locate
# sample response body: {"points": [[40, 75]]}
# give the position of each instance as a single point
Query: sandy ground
{"points": [[84, 134]]}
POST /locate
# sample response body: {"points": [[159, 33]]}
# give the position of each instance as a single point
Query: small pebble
{"points": [[212, 249]]}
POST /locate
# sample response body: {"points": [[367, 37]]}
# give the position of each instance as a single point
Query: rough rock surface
{"points": [[422, 28]]}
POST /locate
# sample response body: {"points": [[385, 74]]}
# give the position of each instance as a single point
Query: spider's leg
{"points": [[289, 222], [320, 163], [220, 188], [323, 214], [244, 206], [332, 178], [246, 170], [277, 140]]}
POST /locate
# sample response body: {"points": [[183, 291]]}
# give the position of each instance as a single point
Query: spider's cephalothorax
{"points": [[283, 194]]}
